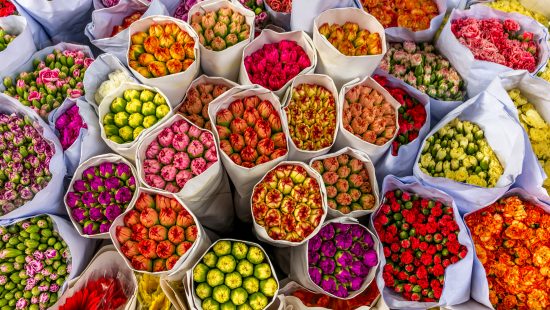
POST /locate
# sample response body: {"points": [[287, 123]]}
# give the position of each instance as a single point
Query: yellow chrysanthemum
{"points": [[150, 294]]}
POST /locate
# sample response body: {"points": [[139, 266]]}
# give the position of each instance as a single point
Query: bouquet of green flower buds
{"points": [[220, 29]]}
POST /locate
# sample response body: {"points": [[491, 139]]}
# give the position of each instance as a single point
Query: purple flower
{"points": [[88, 199], [44, 297], [50, 253], [21, 303], [343, 241], [327, 232], [112, 212], [328, 284], [62, 121], [38, 255], [343, 259], [43, 288], [105, 198], [314, 244], [96, 214], [131, 183], [73, 200], [96, 184], [104, 227], [80, 214], [342, 275], [54, 288], [328, 249], [89, 173], [341, 228], [327, 265], [313, 257], [81, 186], [123, 171], [315, 275], [356, 232], [89, 228], [112, 183], [359, 269], [357, 249], [123, 195], [106, 169], [370, 258], [367, 239], [356, 283], [341, 291]]}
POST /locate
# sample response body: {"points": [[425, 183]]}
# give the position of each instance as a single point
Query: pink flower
{"points": [[180, 142], [34, 95], [181, 161], [48, 75], [195, 149], [20, 84], [182, 177], [155, 181], [169, 173], [88, 62], [511, 25], [198, 165], [211, 155], [207, 139], [76, 73], [75, 93], [69, 53]]}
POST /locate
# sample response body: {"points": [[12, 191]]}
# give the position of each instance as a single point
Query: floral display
{"points": [[68, 125], [420, 66], [512, 6], [537, 129], [5, 38], [156, 233], [311, 115], [7, 8], [251, 132], [288, 203], [25, 160], [234, 274], [420, 240], [116, 78], [415, 15], [511, 242], [178, 154], [182, 10], [545, 73], [368, 115], [282, 6], [57, 76], [220, 29], [109, 3], [35, 262], [150, 294], [126, 22], [258, 7], [350, 40], [347, 183], [195, 105], [340, 257], [412, 115], [498, 41], [164, 50], [273, 65], [102, 193], [310, 299], [460, 152], [101, 293], [133, 112]]}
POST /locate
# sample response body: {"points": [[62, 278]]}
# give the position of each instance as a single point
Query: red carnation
{"points": [[426, 259], [407, 257], [438, 270]]}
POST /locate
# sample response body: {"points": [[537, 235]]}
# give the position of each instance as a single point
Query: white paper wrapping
{"points": [[346, 138], [269, 36], [478, 73], [224, 63], [540, 6], [503, 134], [40, 37], [316, 79], [48, 200], [173, 85], [21, 48], [367, 163], [400, 34], [127, 150], [340, 67], [305, 11], [456, 289], [201, 192]]}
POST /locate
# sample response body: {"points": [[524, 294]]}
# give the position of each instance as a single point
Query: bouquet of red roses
{"points": [[7, 8]]}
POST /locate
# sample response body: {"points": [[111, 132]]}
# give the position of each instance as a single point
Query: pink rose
{"points": [[69, 53], [20, 84], [48, 75], [511, 25], [76, 73], [75, 93], [80, 54], [59, 83], [88, 62], [34, 95]]}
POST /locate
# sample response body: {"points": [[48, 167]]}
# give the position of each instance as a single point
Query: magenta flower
{"points": [[328, 249], [341, 291], [112, 183], [73, 200], [367, 239], [112, 211], [341, 228], [104, 227], [315, 274], [106, 169], [89, 173], [79, 214], [359, 269], [90, 228], [123, 195], [327, 232], [105, 198], [357, 249], [356, 232], [97, 185], [370, 259], [343, 241], [356, 283], [50, 253], [81, 186], [88, 199], [328, 284], [123, 171], [327, 265], [343, 259], [313, 257], [314, 244], [342, 275], [95, 214]]}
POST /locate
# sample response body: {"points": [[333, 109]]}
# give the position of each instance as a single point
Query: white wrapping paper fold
{"points": [[21, 48], [305, 11]]}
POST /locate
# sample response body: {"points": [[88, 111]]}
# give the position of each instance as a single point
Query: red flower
{"points": [[436, 211], [395, 247], [431, 249], [453, 246], [423, 246], [402, 276], [421, 273], [431, 227], [424, 284], [388, 279], [426, 259], [407, 257], [438, 270]]}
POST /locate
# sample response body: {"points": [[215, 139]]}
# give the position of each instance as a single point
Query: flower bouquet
{"points": [[427, 254], [349, 181], [273, 59], [5, 38], [7, 8], [356, 55], [311, 114], [158, 235], [258, 7], [232, 274], [279, 12], [288, 205], [369, 118], [511, 245], [516, 6], [16, 42], [150, 295], [200, 94], [224, 30], [177, 46]]}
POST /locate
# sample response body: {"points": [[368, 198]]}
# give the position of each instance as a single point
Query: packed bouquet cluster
{"points": [[106, 292], [516, 6], [412, 115], [115, 79], [258, 7], [233, 274], [415, 15], [102, 193], [35, 262], [25, 161], [347, 183], [311, 115], [57, 76], [288, 203], [178, 154], [420, 66], [349, 40], [126, 22], [251, 132], [282, 6], [537, 129], [150, 294], [310, 299], [133, 112], [195, 105], [7, 8], [460, 152], [220, 29], [273, 65], [5, 39], [511, 242], [69, 125], [156, 233], [340, 257], [164, 49], [368, 115], [420, 240], [498, 41]]}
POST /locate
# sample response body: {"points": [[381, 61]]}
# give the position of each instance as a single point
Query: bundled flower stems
{"points": [[5, 38], [220, 29], [195, 105], [413, 15]]}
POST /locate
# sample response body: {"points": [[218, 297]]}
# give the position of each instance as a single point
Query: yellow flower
{"points": [[517, 7], [150, 294]]}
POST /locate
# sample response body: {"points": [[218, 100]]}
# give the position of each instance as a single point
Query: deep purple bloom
{"points": [[315, 275], [314, 244], [327, 265], [80, 214], [88, 199], [123, 195], [341, 291], [96, 214], [89, 173], [313, 257], [104, 227], [131, 183], [367, 239], [357, 249], [50, 253], [343, 259], [370, 259], [112, 183], [343, 241], [328, 284], [328, 249], [327, 232], [356, 232], [341, 228], [112, 212], [81, 186], [356, 283], [97, 185], [73, 199], [89, 228], [123, 171], [342, 275], [359, 269], [105, 198], [106, 169]]}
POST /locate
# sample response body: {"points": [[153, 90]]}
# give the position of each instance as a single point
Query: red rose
{"points": [[421, 230], [446, 262], [395, 247], [421, 273], [394, 257], [382, 219], [431, 249], [426, 259], [391, 230], [388, 268], [435, 284], [437, 292], [409, 268], [453, 246], [407, 287], [413, 279], [402, 276], [454, 259], [437, 259], [385, 209], [387, 251], [424, 284], [395, 207], [407, 257], [410, 217], [463, 252], [438, 270], [388, 279], [452, 237], [415, 242], [423, 246], [431, 227]]}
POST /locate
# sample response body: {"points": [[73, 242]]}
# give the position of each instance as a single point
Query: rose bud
{"points": [[149, 217], [139, 232], [177, 51], [237, 142], [123, 234], [249, 154], [171, 29], [276, 233], [304, 229], [151, 44], [278, 153], [236, 158], [165, 249], [174, 66], [131, 218], [251, 116], [183, 247], [171, 261], [140, 262], [135, 51], [191, 233], [146, 59], [265, 109], [176, 234], [162, 54], [225, 116], [184, 219], [259, 210], [147, 248], [237, 108], [263, 129], [279, 140], [159, 264], [157, 69], [158, 233], [273, 218], [138, 38], [144, 72]]}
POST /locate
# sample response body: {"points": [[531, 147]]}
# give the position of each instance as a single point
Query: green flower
{"points": [[133, 106], [161, 111], [214, 277], [245, 268], [148, 108], [239, 296], [158, 100], [226, 263], [233, 280], [251, 285], [255, 255], [199, 273], [121, 119], [221, 293], [126, 133], [210, 259], [262, 271], [109, 119], [203, 291], [149, 121], [258, 301], [118, 105], [110, 130], [269, 287], [210, 304], [135, 120], [130, 94], [222, 247], [240, 249], [146, 95]]}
